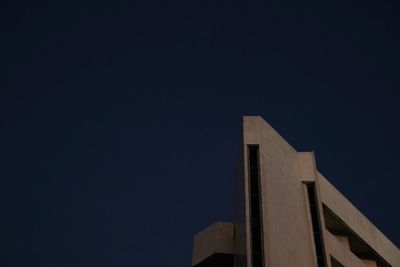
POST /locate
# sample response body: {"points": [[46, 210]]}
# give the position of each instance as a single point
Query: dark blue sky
{"points": [[120, 121]]}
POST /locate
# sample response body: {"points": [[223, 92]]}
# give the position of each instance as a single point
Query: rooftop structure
{"points": [[289, 215]]}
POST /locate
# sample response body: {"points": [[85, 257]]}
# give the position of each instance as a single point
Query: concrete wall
{"points": [[240, 257], [286, 222], [358, 223], [287, 227], [215, 238]]}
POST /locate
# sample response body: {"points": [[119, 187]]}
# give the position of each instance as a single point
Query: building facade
{"points": [[289, 215]]}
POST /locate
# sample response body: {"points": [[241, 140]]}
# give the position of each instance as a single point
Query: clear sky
{"points": [[120, 120]]}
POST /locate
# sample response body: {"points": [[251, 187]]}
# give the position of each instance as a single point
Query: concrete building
{"points": [[289, 215]]}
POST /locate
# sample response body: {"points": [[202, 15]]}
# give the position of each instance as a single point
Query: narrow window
{"points": [[255, 206], [316, 225]]}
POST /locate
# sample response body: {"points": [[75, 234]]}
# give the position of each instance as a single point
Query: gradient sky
{"points": [[120, 120]]}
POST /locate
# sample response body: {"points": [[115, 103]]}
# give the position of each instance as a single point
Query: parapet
{"points": [[214, 245]]}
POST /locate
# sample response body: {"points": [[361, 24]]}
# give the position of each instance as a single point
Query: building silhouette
{"points": [[289, 215]]}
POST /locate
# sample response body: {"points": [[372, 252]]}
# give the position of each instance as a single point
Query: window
{"points": [[255, 206], [313, 205]]}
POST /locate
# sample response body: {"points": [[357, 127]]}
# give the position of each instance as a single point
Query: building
{"points": [[289, 215]]}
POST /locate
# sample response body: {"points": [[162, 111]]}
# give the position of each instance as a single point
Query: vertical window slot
{"points": [[255, 207], [316, 224]]}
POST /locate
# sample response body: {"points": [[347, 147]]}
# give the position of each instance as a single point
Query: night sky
{"points": [[120, 121]]}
